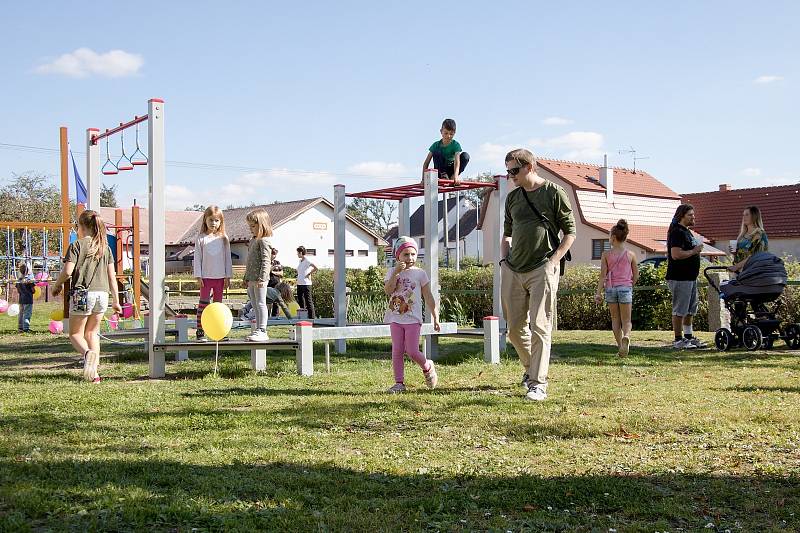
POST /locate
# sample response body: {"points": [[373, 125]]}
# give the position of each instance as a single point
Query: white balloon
{"points": [[13, 310]]}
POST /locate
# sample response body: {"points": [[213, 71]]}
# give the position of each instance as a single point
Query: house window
{"points": [[330, 251], [363, 253], [348, 253], [599, 246], [311, 251]]}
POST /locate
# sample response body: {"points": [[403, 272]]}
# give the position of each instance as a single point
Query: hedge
{"points": [[466, 297]]}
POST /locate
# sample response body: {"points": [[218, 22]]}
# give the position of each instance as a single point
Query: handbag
{"points": [[79, 293], [551, 232]]}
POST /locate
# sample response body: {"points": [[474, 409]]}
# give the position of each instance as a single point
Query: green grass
{"points": [[658, 441]]}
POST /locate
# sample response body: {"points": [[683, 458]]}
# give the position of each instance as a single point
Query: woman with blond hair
{"points": [[90, 266], [752, 238]]}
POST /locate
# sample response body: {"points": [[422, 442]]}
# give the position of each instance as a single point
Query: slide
{"points": [[146, 294]]}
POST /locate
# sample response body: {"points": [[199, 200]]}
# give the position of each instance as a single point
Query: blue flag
{"points": [[81, 195]]}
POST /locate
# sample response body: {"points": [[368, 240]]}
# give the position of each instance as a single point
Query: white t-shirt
{"points": [[212, 257], [405, 303], [302, 271]]}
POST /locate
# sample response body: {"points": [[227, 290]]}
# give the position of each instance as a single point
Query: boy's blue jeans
{"points": [[449, 168], [24, 320]]}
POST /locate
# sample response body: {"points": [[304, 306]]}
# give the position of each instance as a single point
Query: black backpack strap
{"points": [[551, 230]]}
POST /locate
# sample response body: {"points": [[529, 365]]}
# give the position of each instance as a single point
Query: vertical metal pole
{"points": [[92, 170], [137, 260], [156, 216], [339, 287], [431, 181], [500, 209], [182, 325], [305, 348], [445, 228], [404, 218], [65, 214], [458, 231]]}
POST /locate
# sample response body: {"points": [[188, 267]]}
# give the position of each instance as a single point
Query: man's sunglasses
{"points": [[516, 170]]}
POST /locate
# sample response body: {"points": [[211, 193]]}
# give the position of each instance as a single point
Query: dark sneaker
{"points": [[525, 378], [697, 343], [201, 336]]}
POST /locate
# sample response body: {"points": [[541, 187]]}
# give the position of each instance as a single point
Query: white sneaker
{"points": [[397, 388], [536, 393], [624, 346], [431, 378], [696, 343], [90, 365], [683, 344], [258, 336]]}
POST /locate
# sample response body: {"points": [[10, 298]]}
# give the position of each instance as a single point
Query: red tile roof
{"points": [[175, 222], [584, 176], [718, 214], [652, 238]]}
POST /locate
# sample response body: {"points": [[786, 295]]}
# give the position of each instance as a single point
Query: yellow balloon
{"points": [[37, 292], [216, 321], [57, 315], [293, 307]]}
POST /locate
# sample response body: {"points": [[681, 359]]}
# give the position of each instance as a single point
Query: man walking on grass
{"points": [[535, 212]]}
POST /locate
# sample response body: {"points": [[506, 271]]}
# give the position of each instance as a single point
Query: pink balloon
{"points": [[127, 310], [56, 327], [113, 321], [3, 306], [42, 284]]}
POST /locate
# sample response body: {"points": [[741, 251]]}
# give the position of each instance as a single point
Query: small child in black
{"points": [[25, 287]]}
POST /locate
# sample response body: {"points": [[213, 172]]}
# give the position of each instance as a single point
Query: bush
{"points": [[466, 297]]}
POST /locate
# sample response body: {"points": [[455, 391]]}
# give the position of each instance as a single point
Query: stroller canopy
{"points": [[762, 274]]}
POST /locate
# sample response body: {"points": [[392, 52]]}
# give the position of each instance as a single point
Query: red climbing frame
{"points": [[418, 189]]}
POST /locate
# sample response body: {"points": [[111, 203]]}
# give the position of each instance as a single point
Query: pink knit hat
{"points": [[402, 243]]}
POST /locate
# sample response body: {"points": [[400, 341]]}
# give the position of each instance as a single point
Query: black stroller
{"points": [[752, 300]]}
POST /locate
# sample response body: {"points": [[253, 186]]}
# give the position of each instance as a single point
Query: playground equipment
{"points": [[155, 162], [41, 266]]}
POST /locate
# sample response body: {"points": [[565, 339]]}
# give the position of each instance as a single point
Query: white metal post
{"points": [[156, 215], [92, 171], [458, 231], [404, 218], [304, 353], [182, 325], [339, 280], [491, 339], [431, 181], [258, 359], [497, 308]]}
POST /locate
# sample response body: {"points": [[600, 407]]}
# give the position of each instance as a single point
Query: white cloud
{"points": [[576, 145], [85, 62], [557, 121], [378, 169], [494, 153], [751, 172], [767, 79], [259, 187]]}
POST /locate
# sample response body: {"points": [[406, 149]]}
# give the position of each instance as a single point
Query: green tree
{"points": [[196, 207], [108, 195], [377, 215], [30, 197]]}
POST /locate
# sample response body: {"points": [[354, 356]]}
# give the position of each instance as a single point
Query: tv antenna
{"points": [[632, 152]]}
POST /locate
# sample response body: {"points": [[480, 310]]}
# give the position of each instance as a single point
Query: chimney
{"points": [[607, 179], [725, 187]]}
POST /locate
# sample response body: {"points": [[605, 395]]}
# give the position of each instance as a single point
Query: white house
{"points": [[302, 222], [600, 196]]}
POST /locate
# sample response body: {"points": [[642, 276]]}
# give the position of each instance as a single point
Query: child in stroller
{"points": [[752, 301]]}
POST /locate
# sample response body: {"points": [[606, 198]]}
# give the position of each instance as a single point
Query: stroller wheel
{"points": [[723, 339], [792, 336], [752, 338]]}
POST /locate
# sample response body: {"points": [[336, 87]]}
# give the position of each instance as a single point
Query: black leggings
{"points": [[304, 299], [449, 168]]}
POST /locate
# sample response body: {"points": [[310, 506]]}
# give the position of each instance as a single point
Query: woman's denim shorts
{"points": [[619, 295]]}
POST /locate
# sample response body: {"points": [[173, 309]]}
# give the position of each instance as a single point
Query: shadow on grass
{"points": [[767, 388], [161, 495], [263, 391]]}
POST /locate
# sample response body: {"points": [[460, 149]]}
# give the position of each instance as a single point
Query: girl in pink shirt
{"points": [[406, 285], [618, 274]]}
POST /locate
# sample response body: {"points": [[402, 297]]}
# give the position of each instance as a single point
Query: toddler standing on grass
{"points": [[618, 274], [405, 285]]}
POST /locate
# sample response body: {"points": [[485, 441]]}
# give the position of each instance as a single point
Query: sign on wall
{"points": [[320, 226]]}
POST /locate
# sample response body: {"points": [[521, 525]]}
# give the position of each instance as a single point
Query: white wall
{"points": [[781, 247], [314, 229]]}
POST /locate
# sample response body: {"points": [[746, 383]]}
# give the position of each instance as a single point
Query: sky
{"points": [[275, 101]]}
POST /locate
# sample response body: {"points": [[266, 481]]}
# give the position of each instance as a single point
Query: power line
{"points": [[219, 166]]}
